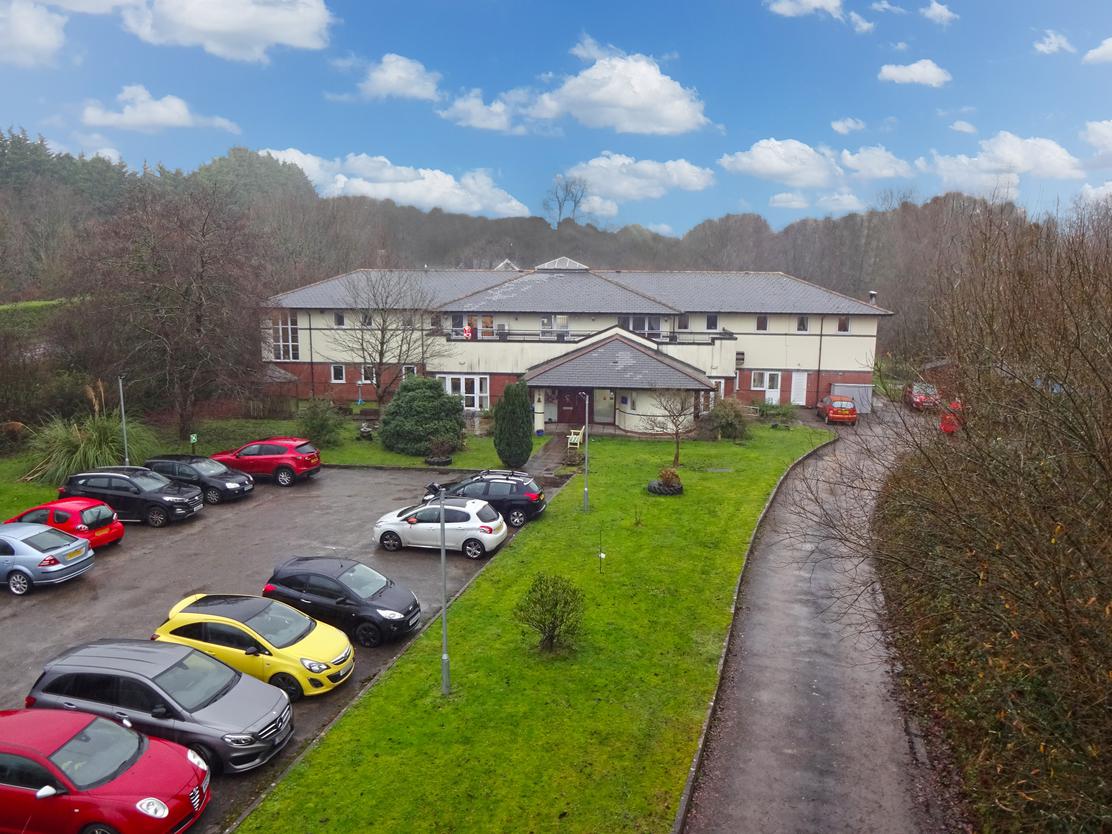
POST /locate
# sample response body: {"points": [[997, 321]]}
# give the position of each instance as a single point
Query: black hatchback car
{"points": [[217, 482], [516, 495], [359, 600], [136, 494]]}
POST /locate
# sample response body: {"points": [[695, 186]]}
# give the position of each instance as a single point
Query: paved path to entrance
{"points": [[549, 457], [806, 736]]}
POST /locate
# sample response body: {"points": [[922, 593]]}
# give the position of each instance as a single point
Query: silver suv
{"points": [[231, 720]]}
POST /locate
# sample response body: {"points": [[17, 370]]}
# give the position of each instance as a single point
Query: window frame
{"points": [[284, 343], [683, 322], [712, 322], [805, 321], [368, 380], [338, 319], [843, 320], [332, 374], [762, 319]]}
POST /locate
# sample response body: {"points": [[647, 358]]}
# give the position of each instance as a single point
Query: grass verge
{"points": [[16, 495], [599, 738]]}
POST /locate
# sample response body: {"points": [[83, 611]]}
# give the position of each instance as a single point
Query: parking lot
{"points": [[228, 548]]}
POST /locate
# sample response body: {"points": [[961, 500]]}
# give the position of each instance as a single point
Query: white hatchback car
{"points": [[470, 525]]}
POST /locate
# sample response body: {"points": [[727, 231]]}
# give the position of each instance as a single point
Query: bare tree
{"points": [[391, 326], [677, 407], [564, 199]]}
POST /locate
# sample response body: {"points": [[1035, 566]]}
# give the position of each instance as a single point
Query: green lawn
{"points": [[15, 495], [597, 740]]}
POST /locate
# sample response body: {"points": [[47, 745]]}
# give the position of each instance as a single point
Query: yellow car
{"points": [[262, 638]]}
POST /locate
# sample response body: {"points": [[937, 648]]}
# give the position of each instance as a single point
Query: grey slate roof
{"points": [[441, 285], [558, 292], [617, 362]]}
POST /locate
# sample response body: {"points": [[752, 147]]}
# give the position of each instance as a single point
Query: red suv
{"points": [[285, 459]]}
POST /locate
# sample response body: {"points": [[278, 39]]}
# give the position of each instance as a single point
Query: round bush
{"points": [[420, 413]]}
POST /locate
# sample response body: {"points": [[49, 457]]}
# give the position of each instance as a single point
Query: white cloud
{"points": [[788, 161], [924, 71], [1096, 194], [598, 206], [860, 25], [377, 177], [141, 111], [938, 13], [840, 201], [962, 126], [241, 30], [1003, 158], [469, 110], [93, 6], [875, 163], [661, 229], [396, 76], [885, 6], [1099, 135], [1101, 54], [618, 177], [628, 93], [29, 34], [798, 8], [846, 125], [899, 46], [591, 50], [789, 200], [1053, 42]]}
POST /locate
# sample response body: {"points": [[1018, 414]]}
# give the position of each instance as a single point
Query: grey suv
{"points": [[231, 720]]}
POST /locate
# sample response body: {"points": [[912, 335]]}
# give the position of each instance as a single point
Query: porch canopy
{"points": [[617, 362]]}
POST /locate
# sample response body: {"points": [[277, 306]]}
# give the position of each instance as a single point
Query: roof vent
{"points": [[562, 265], [872, 297], [507, 266]]}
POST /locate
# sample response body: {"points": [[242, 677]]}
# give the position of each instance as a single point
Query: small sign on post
{"points": [[193, 443]]}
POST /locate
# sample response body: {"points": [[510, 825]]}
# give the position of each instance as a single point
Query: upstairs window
{"points": [[762, 322], [648, 326], [802, 324], [682, 322], [843, 324], [284, 338], [553, 325], [712, 321], [338, 319], [458, 324]]}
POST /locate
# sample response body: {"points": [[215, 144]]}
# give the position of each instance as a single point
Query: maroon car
{"points": [[284, 459], [921, 396]]}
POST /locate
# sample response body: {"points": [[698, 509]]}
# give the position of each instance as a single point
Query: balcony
{"points": [[687, 337]]}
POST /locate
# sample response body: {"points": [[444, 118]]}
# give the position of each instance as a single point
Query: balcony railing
{"points": [[688, 337]]}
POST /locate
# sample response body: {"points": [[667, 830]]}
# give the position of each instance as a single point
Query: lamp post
{"points": [[359, 392], [586, 449], [123, 416], [445, 672]]}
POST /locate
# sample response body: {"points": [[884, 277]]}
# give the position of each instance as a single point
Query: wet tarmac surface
{"points": [[229, 548]]}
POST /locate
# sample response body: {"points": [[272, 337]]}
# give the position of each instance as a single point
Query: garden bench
{"points": [[575, 437]]}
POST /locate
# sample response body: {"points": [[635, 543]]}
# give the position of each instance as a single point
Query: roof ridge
{"points": [[644, 295], [488, 288], [657, 354]]}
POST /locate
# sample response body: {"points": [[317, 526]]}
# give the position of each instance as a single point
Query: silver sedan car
{"points": [[34, 554], [470, 525]]}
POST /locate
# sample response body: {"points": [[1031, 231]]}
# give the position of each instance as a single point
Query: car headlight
{"points": [[390, 615], [230, 485], [196, 760], [314, 666], [153, 807], [239, 739], [173, 499]]}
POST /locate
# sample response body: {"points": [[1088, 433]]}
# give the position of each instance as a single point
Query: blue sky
{"points": [[673, 113]]}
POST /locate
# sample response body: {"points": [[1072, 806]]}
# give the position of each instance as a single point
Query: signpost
{"points": [[445, 673]]}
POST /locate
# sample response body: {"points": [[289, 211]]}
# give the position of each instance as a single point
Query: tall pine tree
{"points": [[513, 426]]}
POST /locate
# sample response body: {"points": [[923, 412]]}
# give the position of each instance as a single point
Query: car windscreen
{"points": [[925, 388], [98, 754], [842, 404], [487, 513], [49, 540], [209, 467], [306, 449], [364, 581], [96, 516], [148, 481], [196, 681], [280, 625]]}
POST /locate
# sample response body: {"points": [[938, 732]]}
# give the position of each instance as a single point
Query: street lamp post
{"points": [[445, 672], [123, 416], [586, 449], [359, 390]]}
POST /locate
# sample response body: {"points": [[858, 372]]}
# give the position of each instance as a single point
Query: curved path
{"points": [[806, 735]]}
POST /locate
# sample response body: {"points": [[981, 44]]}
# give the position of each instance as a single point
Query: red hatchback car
{"points": [[67, 772], [285, 459], [85, 518], [838, 410]]}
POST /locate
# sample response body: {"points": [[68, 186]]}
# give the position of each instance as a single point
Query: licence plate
{"points": [[498, 529], [248, 487], [73, 554]]}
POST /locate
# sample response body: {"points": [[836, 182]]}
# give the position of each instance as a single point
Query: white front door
{"points": [[772, 387], [799, 387]]}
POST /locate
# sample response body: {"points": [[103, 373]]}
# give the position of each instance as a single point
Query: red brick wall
{"points": [[818, 385]]}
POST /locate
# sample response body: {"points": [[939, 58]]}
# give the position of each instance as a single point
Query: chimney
{"points": [[872, 297]]}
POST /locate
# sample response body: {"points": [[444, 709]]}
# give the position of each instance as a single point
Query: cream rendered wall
{"points": [[634, 415], [782, 347]]}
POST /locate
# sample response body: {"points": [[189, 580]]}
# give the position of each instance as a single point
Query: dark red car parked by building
{"points": [[283, 459], [838, 409]]}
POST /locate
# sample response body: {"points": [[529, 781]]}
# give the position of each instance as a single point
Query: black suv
{"points": [[136, 494], [514, 494], [217, 482], [349, 595]]}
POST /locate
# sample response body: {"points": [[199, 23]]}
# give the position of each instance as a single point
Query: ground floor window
{"points": [[474, 390], [408, 371], [337, 373], [765, 381]]}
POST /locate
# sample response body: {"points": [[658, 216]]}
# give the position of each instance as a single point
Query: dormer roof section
{"points": [[562, 264]]}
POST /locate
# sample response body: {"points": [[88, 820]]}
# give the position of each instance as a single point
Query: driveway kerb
{"points": [[258, 800], [697, 761]]}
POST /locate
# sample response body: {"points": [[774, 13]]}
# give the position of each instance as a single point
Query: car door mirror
{"points": [[344, 601], [253, 651], [126, 722], [134, 490], [46, 791], [159, 711]]}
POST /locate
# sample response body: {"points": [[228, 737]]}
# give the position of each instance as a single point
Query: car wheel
{"points": [[473, 549], [368, 634], [209, 757], [18, 583], [284, 477], [212, 495], [391, 541], [516, 518], [288, 684], [157, 516], [98, 828]]}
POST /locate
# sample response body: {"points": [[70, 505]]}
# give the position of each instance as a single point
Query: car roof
{"points": [[282, 439], [506, 473], [177, 458], [143, 657], [327, 565], [72, 503], [233, 606], [459, 503], [43, 730], [121, 470], [23, 530]]}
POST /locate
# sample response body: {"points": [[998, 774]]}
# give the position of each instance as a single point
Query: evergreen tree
{"points": [[422, 413], [513, 426]]}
